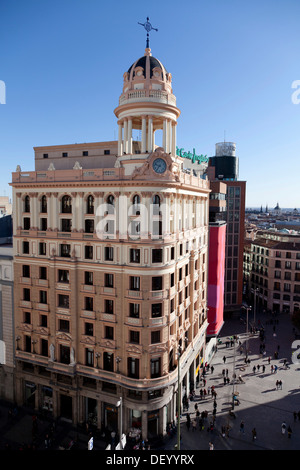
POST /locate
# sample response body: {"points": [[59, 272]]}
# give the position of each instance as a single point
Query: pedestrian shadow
{"points": [[270, 390]]}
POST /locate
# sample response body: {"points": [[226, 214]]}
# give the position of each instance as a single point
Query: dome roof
{"points": [[153, 63]]}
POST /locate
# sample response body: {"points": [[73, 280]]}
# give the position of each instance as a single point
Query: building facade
{"points": [[274, 281], [224, 167], [110, 254]]}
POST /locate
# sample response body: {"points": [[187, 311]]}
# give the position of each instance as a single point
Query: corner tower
{"points": [[147, 104]]}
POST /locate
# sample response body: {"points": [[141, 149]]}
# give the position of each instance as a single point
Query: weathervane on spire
{"points": [[148, 27]]}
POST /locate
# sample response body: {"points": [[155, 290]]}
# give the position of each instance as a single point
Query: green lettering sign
{"points": [[191, 156]]}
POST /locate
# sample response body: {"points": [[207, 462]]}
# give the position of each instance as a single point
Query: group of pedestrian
{"points": [[278, 384]]}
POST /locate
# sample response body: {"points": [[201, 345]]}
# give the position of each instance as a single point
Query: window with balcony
{"points": [[88, 278], [89, 357], [89, 304], [64, 354], [108, 280], [156, 310], [26, 270], [26, 294], [63, 301], [157, 283], [155, 368], [155, 337], [66, 225], [134, 283], [134, 337], [133, 367], [109, 306], [43, 224], [89, 226], [108, 361], [26, 223], [134, 310]]}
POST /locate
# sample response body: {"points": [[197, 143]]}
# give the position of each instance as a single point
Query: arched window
{"points": [[27, 204], [44, 204], [110, 201], [156, 204], [90, 205], [66, 205], [136, 204]]}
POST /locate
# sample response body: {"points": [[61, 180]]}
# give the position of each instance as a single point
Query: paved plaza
{"points": [[263, 405]]}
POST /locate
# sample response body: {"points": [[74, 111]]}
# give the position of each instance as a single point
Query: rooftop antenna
{"points": [[148, 27]]}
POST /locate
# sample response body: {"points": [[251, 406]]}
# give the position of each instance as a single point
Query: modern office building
{"points": [[111, 259], [224, 167]]}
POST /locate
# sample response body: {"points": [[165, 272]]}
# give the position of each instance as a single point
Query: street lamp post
{"points": [[120, 404]]}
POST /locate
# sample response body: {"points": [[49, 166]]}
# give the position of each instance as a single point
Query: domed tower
{"points": [[147, 103]]}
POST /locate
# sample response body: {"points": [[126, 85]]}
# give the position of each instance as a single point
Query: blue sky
{"points": [[233, 63]]}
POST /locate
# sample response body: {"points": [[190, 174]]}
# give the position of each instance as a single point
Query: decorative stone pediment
{"points": [[133, 349], [146, 171], [63, 337]]}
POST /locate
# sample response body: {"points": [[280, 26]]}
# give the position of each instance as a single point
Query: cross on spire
{"points": [[148, 27]]}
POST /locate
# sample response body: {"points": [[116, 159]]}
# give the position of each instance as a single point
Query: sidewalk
{"points": [[262, 405]]}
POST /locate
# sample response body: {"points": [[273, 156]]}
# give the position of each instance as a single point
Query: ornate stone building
{"points": [[110, 258]]}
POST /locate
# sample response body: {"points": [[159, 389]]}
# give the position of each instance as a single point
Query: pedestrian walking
{"points": [[242, 427], [211, 446], [269, 359], [263, 368], [224, 359], [283, 428], [254, 369], [212, 369], [254, 434], [225, 381]]}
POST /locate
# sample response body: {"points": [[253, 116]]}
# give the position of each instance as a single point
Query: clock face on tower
{"points": [[159, 165]]}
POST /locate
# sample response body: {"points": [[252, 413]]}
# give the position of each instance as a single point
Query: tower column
{"points": [[120, 143], [173, 151], [129, 136], [150, 134], [144, 134], [164, 140], [125, 146]]}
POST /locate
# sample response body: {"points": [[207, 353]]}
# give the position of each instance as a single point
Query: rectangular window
{"points": [[66, 225], [134, 310], [63, 276], [43, 223], [25, 248], [157, 283], [26, 294], [88, 329], [156, 310], [155, 368], [89, 226], [85, 153], [157, 255], [26, 223], [155, 337], [43, 272], [108, 361], [26, 270], [172, 252], [109, 306], [89, 304], [133, 367], [64, 326], [45, 155], [43, 297], [64, 354], [134, 337], [106, 152], [89, 357], [65, 154], [42, 249], [109, 332], [63, 301], [109, 253], [65, 251], [44, 347], [134, 283], [88, 252], [109, 280], [44, 321], [134, 255], [88, 278], [27, 318]]}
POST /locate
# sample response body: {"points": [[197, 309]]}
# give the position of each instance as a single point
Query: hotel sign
{"points": [[191, 156]]}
